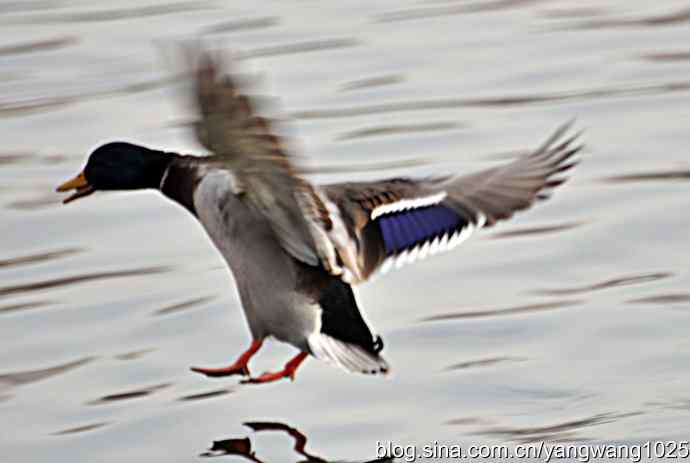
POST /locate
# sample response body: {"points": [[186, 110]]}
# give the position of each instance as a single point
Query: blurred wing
{"points": [[243, 143], [228, 125], [401, 220]]}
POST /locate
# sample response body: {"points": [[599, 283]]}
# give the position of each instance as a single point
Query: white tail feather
{"points": [[349, 357]]}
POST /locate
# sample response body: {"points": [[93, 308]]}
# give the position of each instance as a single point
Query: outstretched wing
{"points": [[242, 142], [376, 224], [228, 125]]}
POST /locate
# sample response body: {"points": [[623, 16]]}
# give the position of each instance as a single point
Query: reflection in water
{"points": [[243, 446], [239, 447], [133, 394], [63, 85], [529, 308], [566, 431], [30, 376], [299, 438], [57, 282], [612, 283]]}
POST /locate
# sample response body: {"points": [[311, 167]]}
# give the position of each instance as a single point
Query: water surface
{"points": [[568, 323]]}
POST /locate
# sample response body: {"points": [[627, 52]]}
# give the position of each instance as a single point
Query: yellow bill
{"points": [[78, 183]]}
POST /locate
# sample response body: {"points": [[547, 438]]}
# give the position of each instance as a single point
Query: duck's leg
{"points": [[240, 366], [288, 371]]}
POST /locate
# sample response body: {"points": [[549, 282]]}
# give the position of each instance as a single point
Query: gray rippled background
{"points": [[570, 323]]}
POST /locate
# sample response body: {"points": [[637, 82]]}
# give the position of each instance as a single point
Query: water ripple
{"points": [[29, 376], [189, 304], [668, 56], [656, 176], [39, 257], [66, 281], [372, 82], [23, 306], [557, 432], [241, 25], [131, 394], [610, 283], [362, 167], [18, 6], [301, 47], [135, 354], [432, 12], [493, 102], [111, 14], [663, 299], [29, 106], [669, 19], [205, 395], [38, 45], [545, 229], [491, 361], [465, 421], [13, 158], [574, 12], [528, 308], [398, 130], [80, 429]]}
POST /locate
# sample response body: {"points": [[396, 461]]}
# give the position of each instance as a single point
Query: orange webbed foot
{"points": [[290, 371], [242, 370], [240, 367]]}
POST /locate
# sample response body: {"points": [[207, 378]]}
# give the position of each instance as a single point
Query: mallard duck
{"points": [[295, 248]]}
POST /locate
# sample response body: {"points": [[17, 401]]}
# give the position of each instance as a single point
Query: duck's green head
{"points": [[118, 166]]}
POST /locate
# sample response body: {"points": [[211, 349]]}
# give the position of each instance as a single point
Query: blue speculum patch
{"points": [[404, 229]]}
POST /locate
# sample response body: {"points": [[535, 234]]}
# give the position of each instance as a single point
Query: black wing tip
{"points": [[559, 155], [382, 369], [559, 141], [560, 150]]}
